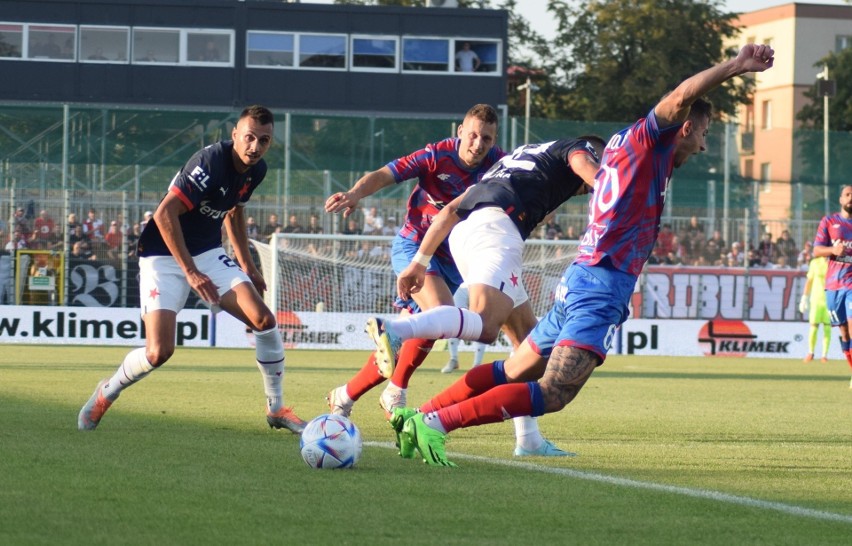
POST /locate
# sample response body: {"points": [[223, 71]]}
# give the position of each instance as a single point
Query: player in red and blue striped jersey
{"points": [[591, 301], [834, 241]]}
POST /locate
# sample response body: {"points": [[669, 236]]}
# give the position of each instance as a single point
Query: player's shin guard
{"points": [[475, 382], [366, 378], [411, 356], [269, 351], [134, 367]]}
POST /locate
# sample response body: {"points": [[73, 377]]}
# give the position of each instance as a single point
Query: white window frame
{"points": [[22, 52], [184, 47], [172, 30], [273, 66], [456, 43], [38, 26], [297, 56], [84, 28], [450, 60], [397, 56], [766, 115]]}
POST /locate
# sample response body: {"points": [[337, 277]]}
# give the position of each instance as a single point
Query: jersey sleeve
{"points": [[190, 183], [413, 165], [823, 238]]}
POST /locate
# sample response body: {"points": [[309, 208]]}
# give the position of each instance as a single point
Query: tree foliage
{"points": [[840, 119], [618, 57]]}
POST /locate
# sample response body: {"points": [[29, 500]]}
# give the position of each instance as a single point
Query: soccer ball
{"points": [[330, 441]]}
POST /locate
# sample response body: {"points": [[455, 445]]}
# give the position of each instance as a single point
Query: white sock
{"points": [[269, 351], [453, 347], [527, 435], [431, 420], [134, 367], [442, 322], [478, 353]]}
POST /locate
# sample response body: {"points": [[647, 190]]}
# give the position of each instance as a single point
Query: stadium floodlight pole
{"points": [[529, 87], [825, 94]]}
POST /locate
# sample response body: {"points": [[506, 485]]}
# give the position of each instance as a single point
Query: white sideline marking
{"points": [[626, 482]]}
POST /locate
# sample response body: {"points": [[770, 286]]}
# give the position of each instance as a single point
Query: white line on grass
{"points": [[626, 482]]}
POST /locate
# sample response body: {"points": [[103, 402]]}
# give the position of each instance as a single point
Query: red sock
{"points": [[473, 383], [365, 379], [411, 355], [494, 406], [848, 357]]}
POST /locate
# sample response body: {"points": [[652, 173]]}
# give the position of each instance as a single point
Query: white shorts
{"points": [[488, 249], [163, 284]]}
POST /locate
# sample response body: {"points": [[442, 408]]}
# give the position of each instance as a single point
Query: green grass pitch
{"points": [[671, 451]]}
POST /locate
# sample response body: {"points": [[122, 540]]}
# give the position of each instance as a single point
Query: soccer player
{"points": [[834, 241], [462, 299], [591, 301], [444, 170], [487, 227], [181, 249], [814, 293]]}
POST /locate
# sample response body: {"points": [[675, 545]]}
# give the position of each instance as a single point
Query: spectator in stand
{"points": [[665, 242], [552, 230], [755, 258], [93, 226], [717, 238], [805, 256], [699, 244], [351, 227], [17, 240], [711, 251], [695, 226], [79, 254], [372, 222], [737, 255], [133, 239], [293, 225], [682, 247], [251, 228], [42, 230], [78, 236], [786, 247], [766, 247], [72, 222], [571, 233], [272, 226], [390, 228], [113, 239], [20, 222], [314, 225], [145, 219]]}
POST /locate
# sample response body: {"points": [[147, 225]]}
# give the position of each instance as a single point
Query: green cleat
{"points": [[429, 442], [397, 420]]}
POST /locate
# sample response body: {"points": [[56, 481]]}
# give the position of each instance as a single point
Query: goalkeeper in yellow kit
{"points": [[815, 293]]}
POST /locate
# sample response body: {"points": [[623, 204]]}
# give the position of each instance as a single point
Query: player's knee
{"points": [[157, 356], [265, 322], [489, 332]]}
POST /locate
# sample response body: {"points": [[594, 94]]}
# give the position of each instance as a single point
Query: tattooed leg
{"points": [[567, 371]]}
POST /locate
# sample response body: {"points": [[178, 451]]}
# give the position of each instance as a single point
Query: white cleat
{"points": [[451, 366]]}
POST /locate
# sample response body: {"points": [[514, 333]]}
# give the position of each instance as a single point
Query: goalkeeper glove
{"points": [[803, 304]]}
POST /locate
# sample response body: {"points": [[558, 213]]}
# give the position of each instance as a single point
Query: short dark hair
{"points": [[701, 108], [260, 114], [483, 112]]}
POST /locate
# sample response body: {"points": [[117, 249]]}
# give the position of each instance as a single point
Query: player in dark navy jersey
{"points": [[487, 227], [591, 300], [834, 241], [180, 250]]}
